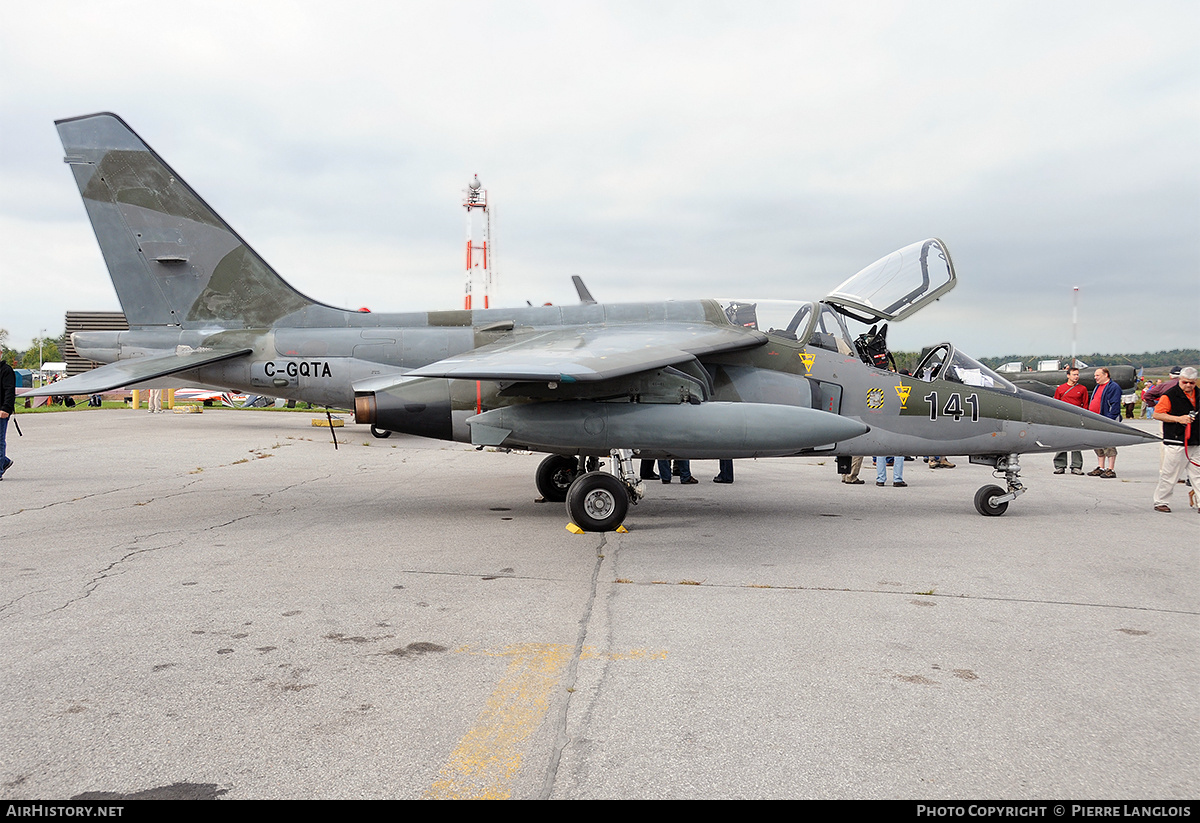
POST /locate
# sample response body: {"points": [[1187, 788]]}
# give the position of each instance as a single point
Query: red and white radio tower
{"points": [[479, 256]]}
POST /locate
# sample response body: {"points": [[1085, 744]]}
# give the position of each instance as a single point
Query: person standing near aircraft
{"points": [[1154, 393], [8, 407], [897, 471], [1076, 394], [1181, 438], [1150, 398], [683, 470], [1106, 401], [725, 474], [850, 479], [897, 464]]}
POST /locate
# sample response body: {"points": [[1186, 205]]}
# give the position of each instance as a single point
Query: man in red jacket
{"points": [[1075, 394]]}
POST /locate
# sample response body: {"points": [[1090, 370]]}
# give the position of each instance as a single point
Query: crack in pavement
{"points": [[16, 600], [560, 722], [116, 566], [967, 597], [105, 572]]}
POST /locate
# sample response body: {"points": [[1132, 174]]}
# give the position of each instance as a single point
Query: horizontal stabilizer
{"points": [[131, 372]]}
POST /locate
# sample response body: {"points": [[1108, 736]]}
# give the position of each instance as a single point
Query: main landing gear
{"points": [[992, 501], [555, 475], [597, 501]]}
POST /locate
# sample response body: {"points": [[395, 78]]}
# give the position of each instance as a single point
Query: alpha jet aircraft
{"points": [[696, 379], [1045, 381]]}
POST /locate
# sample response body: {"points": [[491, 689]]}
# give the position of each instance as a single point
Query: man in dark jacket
{"points": [[8, 405], [1181, 438], [1106, 400], [1154, 393]]}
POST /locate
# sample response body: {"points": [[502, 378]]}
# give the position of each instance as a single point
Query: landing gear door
{"points": [[896, 286], [826, 397]]}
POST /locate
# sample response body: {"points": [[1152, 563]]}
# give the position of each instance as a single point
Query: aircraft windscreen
{"points": [[897, 285], [944, 362], [791, 319]]}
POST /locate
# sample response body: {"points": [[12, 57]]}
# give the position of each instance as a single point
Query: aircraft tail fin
{"points": [[172, 259]]}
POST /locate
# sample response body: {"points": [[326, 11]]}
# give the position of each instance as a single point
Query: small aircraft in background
{"points": [[1050, 374], [686, 379]]}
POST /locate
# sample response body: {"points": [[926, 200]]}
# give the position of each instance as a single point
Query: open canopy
{"points": [[895, 286]]}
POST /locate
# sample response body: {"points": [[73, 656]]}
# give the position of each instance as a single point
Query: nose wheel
{"points": [[992, 501], [985, 501]]}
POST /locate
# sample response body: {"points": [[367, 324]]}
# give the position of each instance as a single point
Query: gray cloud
{"points": [[661, 150]]}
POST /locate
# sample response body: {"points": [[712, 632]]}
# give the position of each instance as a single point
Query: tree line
{"points": [[41, 350], [1148, 360]]}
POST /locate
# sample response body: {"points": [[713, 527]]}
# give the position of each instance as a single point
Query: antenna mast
{"points": [[479, 257], [1074, 323]]}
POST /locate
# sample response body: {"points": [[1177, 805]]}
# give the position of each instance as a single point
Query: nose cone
{"points": [[1062, 427]]}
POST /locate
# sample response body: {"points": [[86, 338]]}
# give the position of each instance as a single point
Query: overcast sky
{"points": [[661, 150]]}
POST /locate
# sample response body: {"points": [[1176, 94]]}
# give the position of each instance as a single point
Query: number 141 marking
{"points": [[954, 406]]}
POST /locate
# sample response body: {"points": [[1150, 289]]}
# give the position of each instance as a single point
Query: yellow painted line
{"points": [[487, 759]]}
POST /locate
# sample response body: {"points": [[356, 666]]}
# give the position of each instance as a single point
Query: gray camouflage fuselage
{"points": [[685, 379]]}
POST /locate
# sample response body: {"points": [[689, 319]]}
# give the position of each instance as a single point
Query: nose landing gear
{"points": [[992, 501]]}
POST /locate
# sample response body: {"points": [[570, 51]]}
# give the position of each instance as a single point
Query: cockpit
{"points": [[807, 323], [810, 324], [944, 362], [891, 288]]}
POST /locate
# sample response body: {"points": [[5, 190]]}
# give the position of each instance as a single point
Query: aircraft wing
{"points": [[579, 354], [136, 370]]}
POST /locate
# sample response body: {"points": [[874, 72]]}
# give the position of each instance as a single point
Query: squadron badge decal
{"points": [[902, 393], [807, 359]]}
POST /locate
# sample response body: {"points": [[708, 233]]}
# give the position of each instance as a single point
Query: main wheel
{"points": [[555, 475], [983, 501], [597, 502], [380, 433]]}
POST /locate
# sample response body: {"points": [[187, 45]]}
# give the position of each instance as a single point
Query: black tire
{"points": [[555, 476], [380, 433], [983, 501], [597, 502]]}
